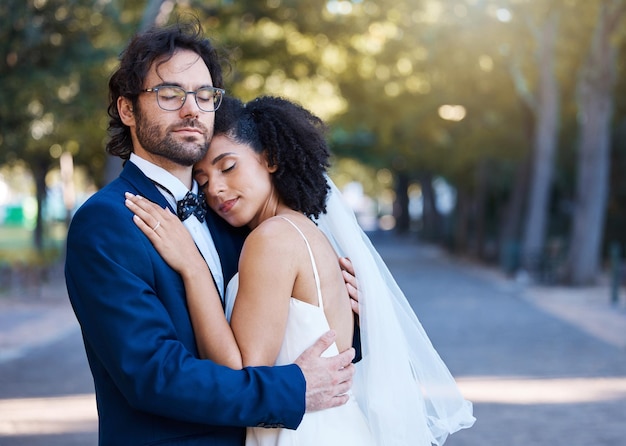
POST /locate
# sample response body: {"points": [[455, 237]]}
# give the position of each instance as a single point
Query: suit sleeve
{"points": [[136, 329]]}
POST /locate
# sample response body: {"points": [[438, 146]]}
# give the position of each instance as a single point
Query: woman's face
{"points": [[237, 182]]}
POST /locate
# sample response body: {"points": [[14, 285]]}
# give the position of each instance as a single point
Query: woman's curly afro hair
{"points": [[293, 140]]}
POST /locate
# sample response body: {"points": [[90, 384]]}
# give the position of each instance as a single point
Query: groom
{"points": [[151, 388]]}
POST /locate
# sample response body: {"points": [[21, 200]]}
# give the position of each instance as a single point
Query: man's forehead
{"points": [[183, 63]]}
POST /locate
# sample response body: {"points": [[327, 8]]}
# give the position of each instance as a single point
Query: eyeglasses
{"points": [[172, 98]]}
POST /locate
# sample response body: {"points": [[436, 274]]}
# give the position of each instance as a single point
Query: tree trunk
{"points": [[544, 146], [595, 86], [480, 209], [511, 227], [509, 237], [401, 206], [40, 169], [430, 215], [66, 165], [462, 221]]}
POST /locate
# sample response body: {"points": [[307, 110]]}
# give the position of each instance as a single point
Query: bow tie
{"points": [[192, 204]]}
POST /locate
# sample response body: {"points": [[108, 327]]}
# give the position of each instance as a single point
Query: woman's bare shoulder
{"points": [[274, 235]]}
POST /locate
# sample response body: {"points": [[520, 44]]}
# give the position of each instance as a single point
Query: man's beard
{"points": [[183, 153]]}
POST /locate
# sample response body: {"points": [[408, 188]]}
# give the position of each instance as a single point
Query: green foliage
{"points": [[54, 67], [376, 71]]}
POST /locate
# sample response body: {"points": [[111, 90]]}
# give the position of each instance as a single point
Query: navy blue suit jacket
{"points": [[151, 388]]}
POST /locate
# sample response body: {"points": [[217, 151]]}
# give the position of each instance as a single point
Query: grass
{"points": [[17, 245]]}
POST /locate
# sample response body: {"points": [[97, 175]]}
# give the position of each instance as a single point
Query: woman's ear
{"points": [[271, 168], [126, 111]]}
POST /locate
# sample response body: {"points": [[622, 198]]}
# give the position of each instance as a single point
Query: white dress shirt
{"points": [[173, 190]]}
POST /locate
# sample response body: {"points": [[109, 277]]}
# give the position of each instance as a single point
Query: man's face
{"points": [[182, 136]]}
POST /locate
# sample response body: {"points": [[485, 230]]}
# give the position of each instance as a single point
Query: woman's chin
{"points": [[234, 221]]}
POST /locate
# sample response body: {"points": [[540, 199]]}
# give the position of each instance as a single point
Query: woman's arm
{"points": [[268, 268], [169, 236]]}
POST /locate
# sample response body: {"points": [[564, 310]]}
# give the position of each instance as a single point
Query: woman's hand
{"points": [[166, 232]]}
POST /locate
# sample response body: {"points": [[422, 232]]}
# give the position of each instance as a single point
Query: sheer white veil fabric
{"points": [[402, 384]]}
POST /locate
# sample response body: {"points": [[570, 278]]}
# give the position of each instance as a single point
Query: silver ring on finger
{"points": [[156, 226]]}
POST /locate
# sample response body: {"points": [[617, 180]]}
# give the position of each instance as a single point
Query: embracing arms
{"points": [[139, 340], [327, 378]]}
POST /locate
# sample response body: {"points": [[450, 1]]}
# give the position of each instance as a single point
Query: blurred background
{"points": [[482, 143], [493, 128]]}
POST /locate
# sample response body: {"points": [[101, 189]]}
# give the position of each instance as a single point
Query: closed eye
{"points": [[229, 168]]}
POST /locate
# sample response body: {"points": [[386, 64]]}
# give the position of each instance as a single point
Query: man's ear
{"points": [[125, 110]]}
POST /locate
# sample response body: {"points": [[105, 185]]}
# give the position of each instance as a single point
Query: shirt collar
{"points": [[162, 177]]}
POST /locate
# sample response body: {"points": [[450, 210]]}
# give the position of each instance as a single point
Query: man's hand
{"points": [[327, 379], [348, 276]]}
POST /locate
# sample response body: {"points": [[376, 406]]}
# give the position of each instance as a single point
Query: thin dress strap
{"points": [[320, 302]]}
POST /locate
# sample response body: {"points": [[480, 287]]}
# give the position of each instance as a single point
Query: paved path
{"points": [[543, 366]]}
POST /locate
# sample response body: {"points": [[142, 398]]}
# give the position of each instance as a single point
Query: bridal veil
{"points": [[402, 384]]}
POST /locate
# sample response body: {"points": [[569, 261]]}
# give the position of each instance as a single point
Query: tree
{"points": [[595, 91], [545, 105], [50, 58], [380, 73]]}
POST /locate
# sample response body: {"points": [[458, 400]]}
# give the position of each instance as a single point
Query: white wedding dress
{"points": [[403, 393], [341, 426]]}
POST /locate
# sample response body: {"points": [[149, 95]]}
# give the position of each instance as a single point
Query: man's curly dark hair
{"points": [[292, 138], [156, 44]]}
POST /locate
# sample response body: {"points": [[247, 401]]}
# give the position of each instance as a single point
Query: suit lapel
{"points": [[143, 185], [228, 242]]}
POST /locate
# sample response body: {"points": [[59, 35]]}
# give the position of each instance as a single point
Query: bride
{"points": [[266, 169]]}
